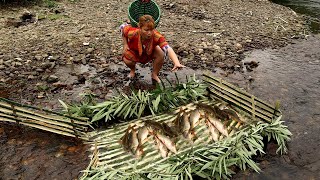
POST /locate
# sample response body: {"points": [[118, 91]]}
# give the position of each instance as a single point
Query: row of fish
{"points": [[135, 137], [220, 121]]}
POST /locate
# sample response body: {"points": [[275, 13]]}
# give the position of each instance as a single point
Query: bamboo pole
{"points": [[241, 97], [244, 93], [56, 118], [240, 105], [41, 109]]}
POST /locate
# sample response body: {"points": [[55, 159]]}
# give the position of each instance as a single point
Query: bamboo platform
{"points": [[108, 155], [43, 119]]}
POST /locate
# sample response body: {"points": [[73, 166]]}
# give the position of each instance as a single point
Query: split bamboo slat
{"points": [[43, 119], [258, 109]]}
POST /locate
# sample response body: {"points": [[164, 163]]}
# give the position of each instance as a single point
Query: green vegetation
{"points": [[138, 103]]}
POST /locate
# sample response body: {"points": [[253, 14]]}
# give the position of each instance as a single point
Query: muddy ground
{"points": [[75, 47]]}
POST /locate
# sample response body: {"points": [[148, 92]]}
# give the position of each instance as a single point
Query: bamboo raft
{"points": [[108, 155], [43, 119]]}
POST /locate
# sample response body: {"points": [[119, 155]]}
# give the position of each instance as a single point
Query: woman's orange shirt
{"points": [[139, 52]]}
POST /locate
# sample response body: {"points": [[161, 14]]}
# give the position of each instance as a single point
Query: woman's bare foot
{"points": [[132, 74], [155, 78]]}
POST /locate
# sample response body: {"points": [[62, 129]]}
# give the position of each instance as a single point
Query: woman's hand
{"points": [[177, 66]]}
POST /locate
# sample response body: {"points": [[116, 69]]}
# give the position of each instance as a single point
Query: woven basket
{"points": [[139, 8]]}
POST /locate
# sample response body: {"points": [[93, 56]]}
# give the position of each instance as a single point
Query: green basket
{"points": [[139, 8]]}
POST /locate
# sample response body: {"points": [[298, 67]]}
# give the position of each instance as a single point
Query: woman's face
{"points": [[146, 32]]}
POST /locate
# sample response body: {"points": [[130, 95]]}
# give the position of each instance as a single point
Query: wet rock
{"points": [[89, 50], [221, 65], [59, 84], [8, 63], [200, 51], [96, 81], [238, 46], [18, 59], [52, 79], [41, 95], [31, 77], [38, 57], [39, 70]]}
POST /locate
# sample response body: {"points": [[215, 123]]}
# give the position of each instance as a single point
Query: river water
{"points": [[310, 8]]}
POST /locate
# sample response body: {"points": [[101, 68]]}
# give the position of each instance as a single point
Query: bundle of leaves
{"points": [[128, 106], [81, 109]]}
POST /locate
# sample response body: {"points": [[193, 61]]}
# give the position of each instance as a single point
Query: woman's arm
{"points": [[172, 55], [125, 44]]}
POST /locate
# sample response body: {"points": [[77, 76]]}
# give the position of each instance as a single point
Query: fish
{"points": [[133, 141], [168, 130], [139, 151], [214, 132], [162, 127], [162, 148], [232, 114], [167, 142], [143, 134], [153, 124], [124, 140], [191, 134], [218, 124], [194, 118], [185, 125]]}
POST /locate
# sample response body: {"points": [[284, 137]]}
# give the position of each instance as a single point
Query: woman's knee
{"points": [[158, 53]]}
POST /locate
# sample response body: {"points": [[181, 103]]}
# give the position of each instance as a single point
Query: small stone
{"points": [[1, 61], [200, 51], [38, 57], [31, 77], [59, 84], [41, 95], [216, 47], [89, 50], [18, 64], [52, 79], [2, 67], [221, 65], [238, 46], [18, 59], [96, 81], [84, 61], [39, 70]]}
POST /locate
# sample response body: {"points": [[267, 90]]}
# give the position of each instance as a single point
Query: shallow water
{"points": [[27, 153], [308, 7], [291, 75]]}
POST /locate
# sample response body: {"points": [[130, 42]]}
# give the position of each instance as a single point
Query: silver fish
{"points": [[139, 152], [185, 124], [126, 138], [214, 132], [133, 141], [218, 124], [162, 148], [167, 142], [194, 118], [143, 134]]}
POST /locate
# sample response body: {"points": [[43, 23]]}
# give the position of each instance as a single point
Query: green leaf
{"points": [[65, 106]]}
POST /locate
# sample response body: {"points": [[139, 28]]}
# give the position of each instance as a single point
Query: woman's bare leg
{"points": [[131, 65], [158, 61]]}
